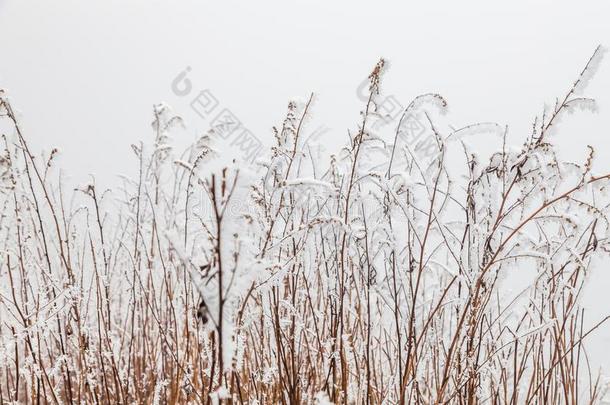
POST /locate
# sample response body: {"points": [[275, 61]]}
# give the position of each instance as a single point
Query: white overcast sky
{"points": [[84, 75]]}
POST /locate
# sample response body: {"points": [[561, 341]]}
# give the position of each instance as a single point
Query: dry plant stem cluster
{"points": [[378, 279]]}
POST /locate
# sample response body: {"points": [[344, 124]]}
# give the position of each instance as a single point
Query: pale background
{"points": [[84, 75]]}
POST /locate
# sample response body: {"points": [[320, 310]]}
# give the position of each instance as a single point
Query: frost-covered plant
{"points": [[381, 278]]}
